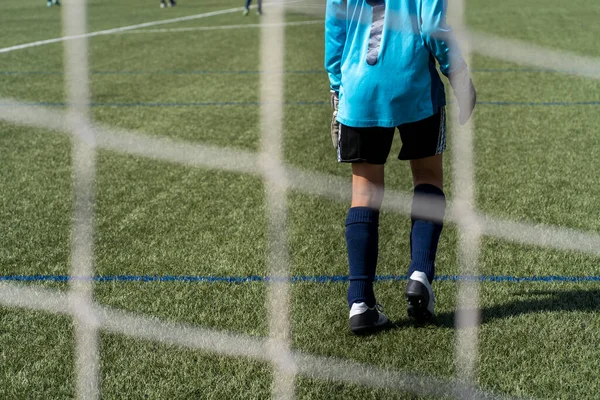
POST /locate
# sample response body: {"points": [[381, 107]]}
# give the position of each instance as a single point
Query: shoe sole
{"points": [[366, 323], [417, 298], [366, 329]]}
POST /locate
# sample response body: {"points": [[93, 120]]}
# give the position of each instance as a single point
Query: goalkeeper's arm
{"points": [[335, 40], [440, 40]]}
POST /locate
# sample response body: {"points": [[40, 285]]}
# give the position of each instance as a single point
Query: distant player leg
{"points": [[247, 7], [259, 7]]}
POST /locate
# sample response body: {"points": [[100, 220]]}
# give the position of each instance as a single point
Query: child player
{"points": [[381, 59]]}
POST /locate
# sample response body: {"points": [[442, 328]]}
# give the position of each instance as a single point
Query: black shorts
{"points": [[420, 139]]}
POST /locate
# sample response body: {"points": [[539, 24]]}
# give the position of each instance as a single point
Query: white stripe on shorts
{"points": [[441, 146], [339, 144]]}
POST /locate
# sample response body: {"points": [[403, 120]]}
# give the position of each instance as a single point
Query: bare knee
{"points": [[428, 171]]}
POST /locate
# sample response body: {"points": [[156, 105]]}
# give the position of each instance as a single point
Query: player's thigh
{"points": [[425, 138], [364, 145]]}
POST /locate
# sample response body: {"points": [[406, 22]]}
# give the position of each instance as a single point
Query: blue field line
{"points": [[294, 279], [258, 72], [539, 103], [292, 103]]}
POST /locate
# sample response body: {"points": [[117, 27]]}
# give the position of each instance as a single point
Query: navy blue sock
{"points": [[427, 215], [362, 240], [248, 3]]}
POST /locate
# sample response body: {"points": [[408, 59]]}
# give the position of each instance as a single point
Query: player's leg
{"points": [[362, 231], [424, 143], [427, 213], [247, 7], [259, 12], [368, 185], [367, 150]]}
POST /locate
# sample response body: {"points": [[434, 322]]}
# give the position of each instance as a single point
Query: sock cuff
{"points": [[429, 204], [362, 215], [428, 189]]}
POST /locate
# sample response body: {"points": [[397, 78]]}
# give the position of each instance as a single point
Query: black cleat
{"points": [[419, 297], [364, 319]]}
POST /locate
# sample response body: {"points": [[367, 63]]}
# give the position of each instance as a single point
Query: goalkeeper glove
{"points": [[465, 93], [335, 125]]}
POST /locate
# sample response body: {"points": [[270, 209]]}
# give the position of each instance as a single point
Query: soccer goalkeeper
{"points": [[381, 59]]}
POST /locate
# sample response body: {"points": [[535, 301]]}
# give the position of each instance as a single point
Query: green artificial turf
{"points": [[537, 157]]}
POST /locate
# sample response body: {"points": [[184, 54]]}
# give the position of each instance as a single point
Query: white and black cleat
{"points": [[419, 297], [365, 320]]}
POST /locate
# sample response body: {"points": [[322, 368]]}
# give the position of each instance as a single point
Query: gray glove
{"points": [[465, 93], [335, 125]]}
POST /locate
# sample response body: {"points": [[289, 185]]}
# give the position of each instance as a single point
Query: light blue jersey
{"points": [[380, 55]]}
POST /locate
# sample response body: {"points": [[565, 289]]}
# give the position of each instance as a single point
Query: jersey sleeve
{"points": [[438, 36], [335, 39]]}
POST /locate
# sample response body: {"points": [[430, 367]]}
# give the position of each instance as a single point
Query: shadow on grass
{"points": [[527, 303], [376, 331]]}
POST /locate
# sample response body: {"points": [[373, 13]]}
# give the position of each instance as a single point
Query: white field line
{"points": [[87, 356], [126, 28], [469, 231], [227, 27], [309, 182], [272, 55], [525, 53], [121, 29], [232, 344]]}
